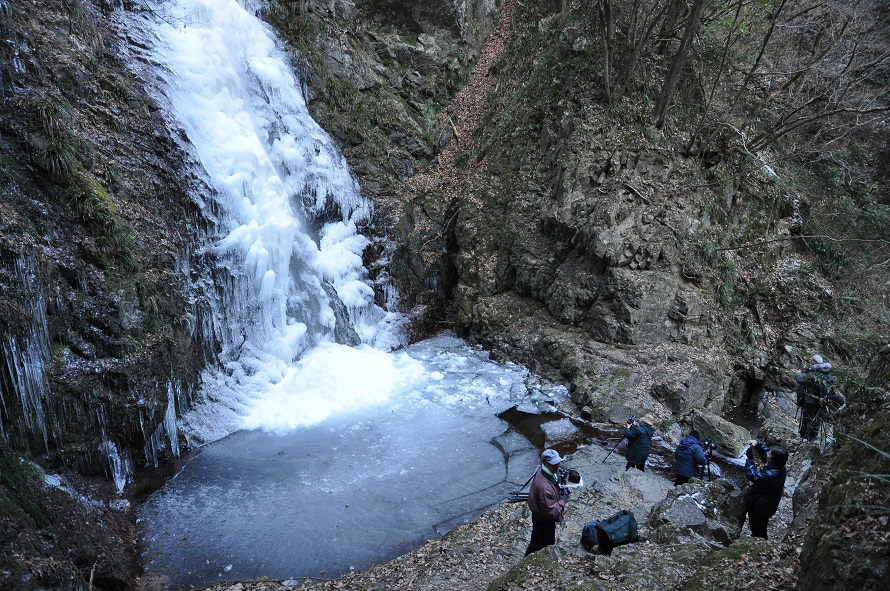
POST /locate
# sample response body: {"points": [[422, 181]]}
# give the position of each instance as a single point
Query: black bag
{"points": [[589, 536], [617, 530]]}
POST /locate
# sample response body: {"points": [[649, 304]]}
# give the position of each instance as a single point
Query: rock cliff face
{"points": [[100, 334], [380, 77], [555, 230], [99, 327], [584, 241]]}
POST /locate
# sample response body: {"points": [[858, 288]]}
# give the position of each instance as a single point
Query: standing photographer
{"points": [[639, 442], [546, 502], [767, 484], [688, 458]]}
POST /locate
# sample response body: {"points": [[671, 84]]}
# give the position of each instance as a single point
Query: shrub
{"points": [[56, 156]]}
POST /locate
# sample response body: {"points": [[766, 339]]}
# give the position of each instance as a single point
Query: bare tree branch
{"points": [[765, 140], [803, 236]]}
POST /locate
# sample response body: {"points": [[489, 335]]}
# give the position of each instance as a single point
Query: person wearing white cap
{"points": [[546, 502], [815, 396]]}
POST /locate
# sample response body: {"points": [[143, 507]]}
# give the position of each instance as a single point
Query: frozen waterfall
{"points": [[290, 283]]}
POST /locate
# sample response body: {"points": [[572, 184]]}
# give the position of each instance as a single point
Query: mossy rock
{"points": [[20, 490], [94, 204], [846, 548], [544, 561]]}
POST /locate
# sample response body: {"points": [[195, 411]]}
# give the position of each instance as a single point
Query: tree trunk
{"points": [[604, 8], [673, 75]]}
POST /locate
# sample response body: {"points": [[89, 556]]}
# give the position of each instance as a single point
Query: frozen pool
{"points": [[355, 489]]}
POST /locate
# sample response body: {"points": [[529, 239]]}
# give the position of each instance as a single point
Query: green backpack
{"points": [[617, 530]]}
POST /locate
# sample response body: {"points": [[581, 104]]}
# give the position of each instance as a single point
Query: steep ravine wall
{"points": [[100, 242], [585, 240], [555, 231]]}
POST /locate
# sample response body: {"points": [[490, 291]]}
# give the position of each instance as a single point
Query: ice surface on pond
{"points": [[351, 490], [330, 379]]}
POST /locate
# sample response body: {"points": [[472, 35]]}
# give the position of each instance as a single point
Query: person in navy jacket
{"points": [[766, 485], [639, 442], [688, 457]]}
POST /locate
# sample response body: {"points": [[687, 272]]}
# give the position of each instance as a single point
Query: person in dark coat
{"points": [[816, 396], [639, 441], [546, 502], [767, 485], [688, 457]]}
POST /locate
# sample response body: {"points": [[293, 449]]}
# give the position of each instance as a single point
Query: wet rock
{"points": [[804, 501]]}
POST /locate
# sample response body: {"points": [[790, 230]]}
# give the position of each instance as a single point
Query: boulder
{"points": [[777, 431], [730, 439], [710, 510]]}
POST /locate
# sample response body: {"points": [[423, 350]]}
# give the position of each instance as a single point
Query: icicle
{"points": [[26, 361], [119, 465], [170, 419], [277, 183]]}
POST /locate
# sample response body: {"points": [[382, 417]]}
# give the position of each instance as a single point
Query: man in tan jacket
{"points": [[546, 502]]}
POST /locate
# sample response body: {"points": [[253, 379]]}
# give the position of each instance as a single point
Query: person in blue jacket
{"points": [[639, 441], [688, 457], [767, 485]]}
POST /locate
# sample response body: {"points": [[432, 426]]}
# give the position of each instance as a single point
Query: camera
{"points": [[754, 444], [569, 476], [632, 420], [708, 447]]}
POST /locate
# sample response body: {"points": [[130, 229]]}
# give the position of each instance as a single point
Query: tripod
{"points": [[701, 471], [630, 422], [613, 449], [518, 496]]}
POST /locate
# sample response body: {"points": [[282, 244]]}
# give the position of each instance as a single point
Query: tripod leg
{"points": [[613, 449]]}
